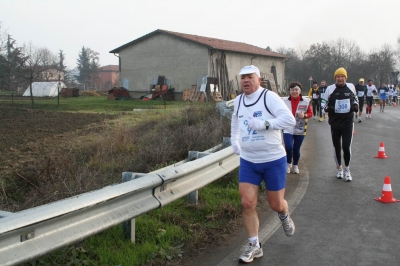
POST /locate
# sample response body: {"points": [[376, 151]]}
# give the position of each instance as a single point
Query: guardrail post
{"points": [[129, 227], [226, 142], [193, 197]]}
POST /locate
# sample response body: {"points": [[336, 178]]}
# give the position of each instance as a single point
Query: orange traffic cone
{"points": [[381, 152], [387, 195], [374, 104]]}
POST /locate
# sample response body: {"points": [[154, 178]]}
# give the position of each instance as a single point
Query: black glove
{"points": [[328, 109], [355, 108]]}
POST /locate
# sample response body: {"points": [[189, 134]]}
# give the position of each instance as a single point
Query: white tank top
{"points": [[258, 146]]}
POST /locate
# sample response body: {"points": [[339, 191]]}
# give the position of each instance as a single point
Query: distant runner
{"points": [[361, 90], [371, 89]]}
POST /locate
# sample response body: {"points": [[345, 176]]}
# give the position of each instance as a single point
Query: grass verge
{"points": [[172, 235]]}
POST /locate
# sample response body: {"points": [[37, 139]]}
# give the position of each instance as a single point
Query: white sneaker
{"points": [[339, 174], [296, 169], [288, 226], [359, 120], [251, 252], [288, 165], [347, 175]]}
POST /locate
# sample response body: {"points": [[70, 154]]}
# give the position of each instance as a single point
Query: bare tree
{"points": [[398, 53], [319, 58], [320, 61], [33, 64], [293, 68], [342, 52], [48, 67], [3, 38]]}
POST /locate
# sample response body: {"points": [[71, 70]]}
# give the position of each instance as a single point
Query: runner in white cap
{"points": [[258, 118]]}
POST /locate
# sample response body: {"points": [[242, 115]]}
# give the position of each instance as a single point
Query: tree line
{"points": [[320, 61], [20, 65]]}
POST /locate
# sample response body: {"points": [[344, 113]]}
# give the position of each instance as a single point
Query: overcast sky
{"points": [[103, 25]]}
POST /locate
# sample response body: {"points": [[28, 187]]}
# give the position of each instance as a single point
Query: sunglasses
{"points": [[294, 89]]}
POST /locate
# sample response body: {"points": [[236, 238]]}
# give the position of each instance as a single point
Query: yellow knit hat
{"points": [[340, 71]]}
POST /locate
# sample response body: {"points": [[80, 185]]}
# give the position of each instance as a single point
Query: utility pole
{"points": [[58, 89], [30, 87]]}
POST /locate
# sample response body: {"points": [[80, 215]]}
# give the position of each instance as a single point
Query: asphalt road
{"points": [[337, 222]]}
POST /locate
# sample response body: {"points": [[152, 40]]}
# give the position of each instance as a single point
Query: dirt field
{"points": [[27, 135]]}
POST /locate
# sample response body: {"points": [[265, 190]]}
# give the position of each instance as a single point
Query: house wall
{"points": [[108, 79], [179, 61], [235, 62], [51, 75]]}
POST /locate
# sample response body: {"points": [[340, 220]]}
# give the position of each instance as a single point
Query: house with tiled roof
{"points": [[108, 76], [184, 58]]}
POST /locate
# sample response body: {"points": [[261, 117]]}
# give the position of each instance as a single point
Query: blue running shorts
{"points": [[273, 173], [383, 97]]}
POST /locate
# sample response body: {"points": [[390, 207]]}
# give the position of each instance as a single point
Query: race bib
{"points": [[323, 95], [361, 94], [342, 106], [314, 96], [382, 91], [369, 93]]}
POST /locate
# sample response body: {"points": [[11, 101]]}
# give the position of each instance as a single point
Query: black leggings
{"points": [[360, 104], [315, 107], [369, 104], [341, 139]]}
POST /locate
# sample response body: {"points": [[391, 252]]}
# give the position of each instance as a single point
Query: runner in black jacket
{"points": [[341, 104], [361, 90]]}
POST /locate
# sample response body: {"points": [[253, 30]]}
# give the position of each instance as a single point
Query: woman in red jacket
{"points": [[293, 137]]}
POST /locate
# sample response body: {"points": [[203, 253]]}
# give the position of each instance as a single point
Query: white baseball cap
{"points": [[250, 70]]}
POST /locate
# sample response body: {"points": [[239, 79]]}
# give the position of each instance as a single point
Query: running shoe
{"points": [[321, 119], [347, 175], [288, 226], [296, 169], [359, 120], [288, 168], [324, 116], [314, 118], [250, 253], [339, 174]]}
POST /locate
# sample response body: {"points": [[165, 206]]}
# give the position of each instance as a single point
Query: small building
{"points": [[69, 92], [188, 60], [118, 94]]}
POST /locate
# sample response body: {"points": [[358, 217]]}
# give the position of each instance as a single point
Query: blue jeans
{"points": [[292, 146]]}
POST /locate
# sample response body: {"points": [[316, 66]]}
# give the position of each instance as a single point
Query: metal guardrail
{"points": [[32, 233]]}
